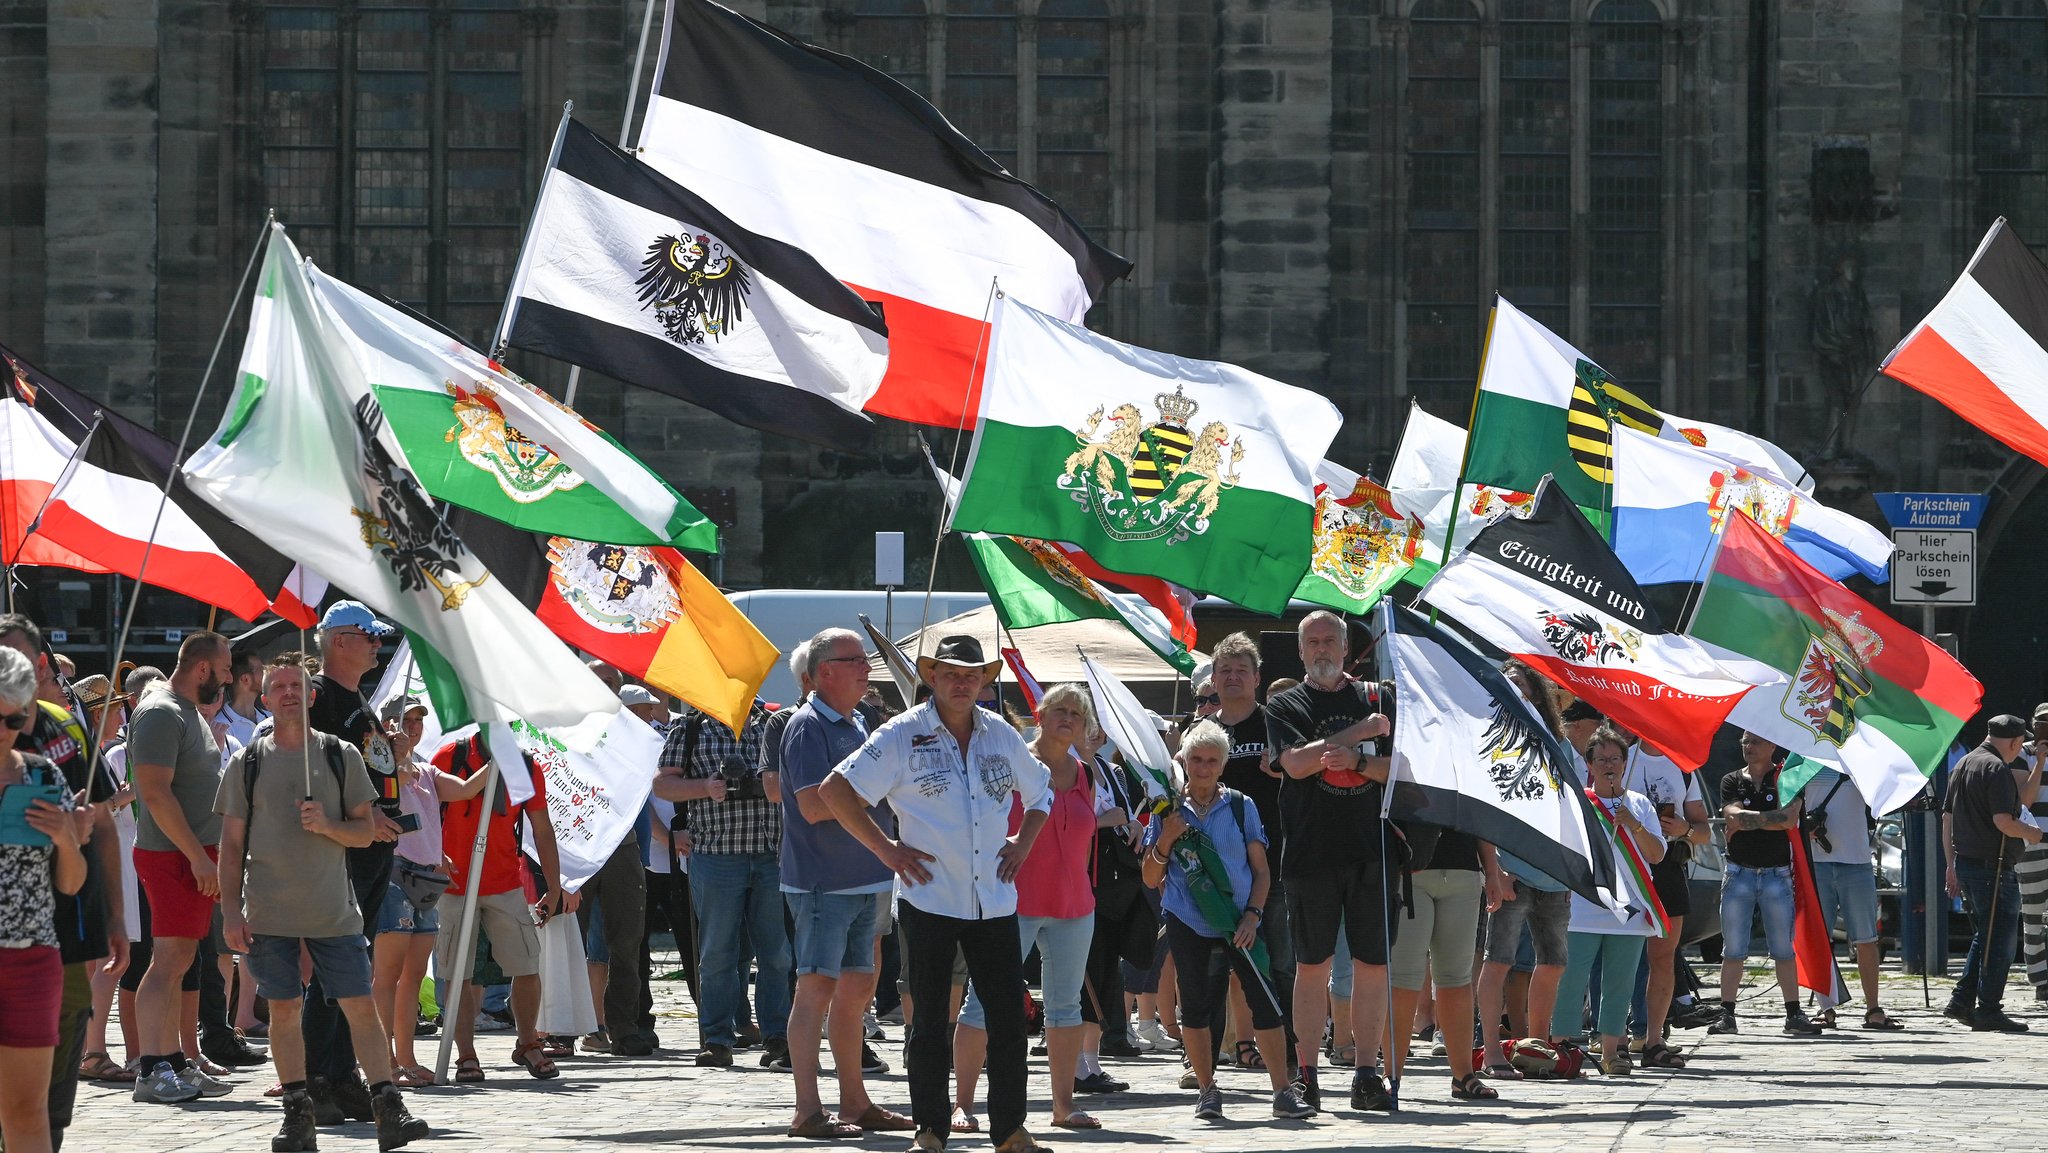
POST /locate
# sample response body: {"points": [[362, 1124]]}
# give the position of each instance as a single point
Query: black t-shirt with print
{"points": [[1330, 819], [1756, 848], [1241, 771]]}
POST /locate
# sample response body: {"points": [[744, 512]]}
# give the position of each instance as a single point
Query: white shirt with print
{"points": [[955, 808]]}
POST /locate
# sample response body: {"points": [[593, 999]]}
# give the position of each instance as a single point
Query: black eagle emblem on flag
{"points": [[695, 285]]}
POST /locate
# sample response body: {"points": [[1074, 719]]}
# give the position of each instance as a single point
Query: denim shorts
{"points": [[342, 964], [835, 932], [1546, 913], [1849, 890], [398, 916], [1745, 891]]}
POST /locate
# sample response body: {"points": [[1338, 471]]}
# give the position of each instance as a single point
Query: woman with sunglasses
{"points": [[1596, 935], [36, 863]]}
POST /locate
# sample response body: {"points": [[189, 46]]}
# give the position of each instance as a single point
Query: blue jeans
{"points": [[1992, 897], [1745, 892], [731, 893]]}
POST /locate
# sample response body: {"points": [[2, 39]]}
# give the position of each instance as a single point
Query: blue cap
{"points": [[354, 614]]}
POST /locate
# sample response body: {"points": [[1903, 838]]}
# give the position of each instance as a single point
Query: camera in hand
{"points": [[741, 782], [1815, 825]]}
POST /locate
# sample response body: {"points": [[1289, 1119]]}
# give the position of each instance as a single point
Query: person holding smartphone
{"points": [[35, 866], [406, 929]]}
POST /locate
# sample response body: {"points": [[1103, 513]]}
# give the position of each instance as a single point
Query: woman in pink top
{"points": [[1055, 912]]}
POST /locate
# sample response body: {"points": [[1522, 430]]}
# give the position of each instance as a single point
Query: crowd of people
{"points": [[242, 853]]}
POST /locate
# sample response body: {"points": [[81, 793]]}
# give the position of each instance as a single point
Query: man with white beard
{"points": [[1321, 734]]}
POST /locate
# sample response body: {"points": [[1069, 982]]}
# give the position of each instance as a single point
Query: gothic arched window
{"points": [[394, 146], [1444, 188], [889, 36], [1073, 129], [980, 95], [2011, 117], [1625, 273]]}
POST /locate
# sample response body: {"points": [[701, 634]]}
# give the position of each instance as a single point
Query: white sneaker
{"points": [[1152, 1035], [161, 1086], [202, 1083]]}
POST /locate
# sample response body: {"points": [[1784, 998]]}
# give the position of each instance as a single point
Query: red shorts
{"points": [[176, 906], [31, 989]]}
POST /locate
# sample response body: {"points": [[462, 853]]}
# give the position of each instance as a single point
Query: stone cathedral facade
{"points": [[1737, 206]]}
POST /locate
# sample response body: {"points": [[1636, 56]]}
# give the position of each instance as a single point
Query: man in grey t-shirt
{"points": [[292, 805], [175, 765]]}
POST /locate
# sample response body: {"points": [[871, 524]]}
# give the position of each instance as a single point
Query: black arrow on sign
{"points": [[1932, 590]]}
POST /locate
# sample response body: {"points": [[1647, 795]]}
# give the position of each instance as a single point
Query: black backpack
{"points": [[252, 760]]}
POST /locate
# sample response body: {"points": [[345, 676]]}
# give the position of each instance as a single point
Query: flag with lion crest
{"points": [[1198, 472]]}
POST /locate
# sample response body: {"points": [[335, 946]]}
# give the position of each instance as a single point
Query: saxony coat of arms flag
{"points": [[1195, 471]]}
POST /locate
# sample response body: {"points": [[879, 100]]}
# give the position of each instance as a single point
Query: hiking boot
{"points": [[714, 1056], [1287, 1105], [1726, 1025], [326, 1110], [161, 1086], [297, 1134], [1369, 1094], [1994, 1020], [775, 1054], [1209, 1106], [396, 1126], [352, 1096], [1306, 1087], [1960, 1010], [1798, 1024]]}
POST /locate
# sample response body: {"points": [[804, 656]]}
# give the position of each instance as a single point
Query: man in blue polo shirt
{"points": [[838, 893]]}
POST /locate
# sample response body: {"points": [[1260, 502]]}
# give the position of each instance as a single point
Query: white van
{"points": [[788, 617]]}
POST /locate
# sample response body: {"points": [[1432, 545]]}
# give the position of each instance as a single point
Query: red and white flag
{"points": [[58, 509], [825, 153], [1983, 351]]}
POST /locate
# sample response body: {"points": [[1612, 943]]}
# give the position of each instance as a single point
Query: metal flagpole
{"points": [[185, 437], [465, 941], [625, 127], [995, 291]]}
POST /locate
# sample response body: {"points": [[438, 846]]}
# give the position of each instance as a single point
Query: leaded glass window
{"points": [[2011, 117]]}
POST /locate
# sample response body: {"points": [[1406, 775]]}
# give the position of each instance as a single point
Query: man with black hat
{"points": [[948, 771], [1988, 792]]}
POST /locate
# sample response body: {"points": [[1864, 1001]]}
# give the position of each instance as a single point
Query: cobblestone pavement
{"points": [[1936, 1084]]}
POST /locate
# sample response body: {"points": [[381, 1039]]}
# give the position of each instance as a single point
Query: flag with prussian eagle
{"points": [[1198, 472], [305, 457]]}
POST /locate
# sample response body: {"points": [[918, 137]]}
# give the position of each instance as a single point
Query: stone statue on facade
{"points": [[1838, 327]]}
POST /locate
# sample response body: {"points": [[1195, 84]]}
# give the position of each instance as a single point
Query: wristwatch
{"points": [[1256, 911]]}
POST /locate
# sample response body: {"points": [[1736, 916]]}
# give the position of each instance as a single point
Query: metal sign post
{"points": [[889, 574]]}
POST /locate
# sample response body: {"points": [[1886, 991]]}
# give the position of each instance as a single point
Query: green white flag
{"points": [[304, 459], [1031, 583], [1155, 465], [488, 441], [1545, 409]]}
